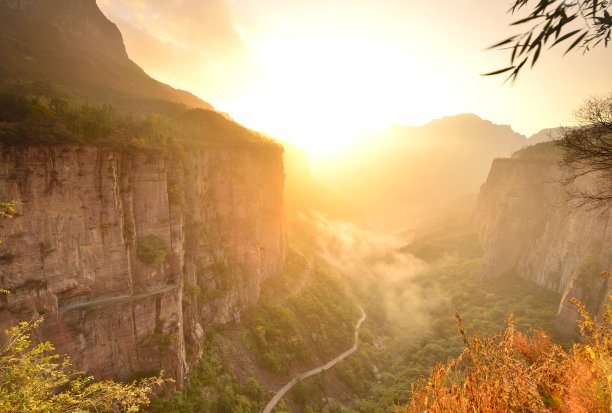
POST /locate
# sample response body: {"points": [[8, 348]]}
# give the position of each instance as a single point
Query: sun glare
{"points": [[320, 92]]}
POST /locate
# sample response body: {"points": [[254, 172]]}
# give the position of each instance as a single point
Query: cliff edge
{"points": [[132, 256], [527, 227]]}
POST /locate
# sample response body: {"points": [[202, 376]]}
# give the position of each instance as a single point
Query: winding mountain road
{"points": [[279, 395]]}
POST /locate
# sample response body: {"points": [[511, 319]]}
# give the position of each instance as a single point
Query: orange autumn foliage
{"points": [[514, 372]]}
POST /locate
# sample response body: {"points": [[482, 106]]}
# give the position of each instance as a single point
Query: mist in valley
{"points": [[325, 208], [372, 264]]}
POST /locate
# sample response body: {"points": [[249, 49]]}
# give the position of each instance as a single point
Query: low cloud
{"points": [[371, 261]]}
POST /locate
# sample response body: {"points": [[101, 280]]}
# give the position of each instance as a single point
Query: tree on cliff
{"points": [[588, 150], [35, 379], [580, 23]]}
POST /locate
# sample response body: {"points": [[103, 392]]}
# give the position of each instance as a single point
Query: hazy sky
{"points": [[314, 72]]}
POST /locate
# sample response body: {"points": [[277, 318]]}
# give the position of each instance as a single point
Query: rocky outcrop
{"points": [[527, 227], [132, 256]]}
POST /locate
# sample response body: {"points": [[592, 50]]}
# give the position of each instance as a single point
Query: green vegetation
{"points": [[40, 120], [151, 250], [589, 267], [448, 235], [303, 319], [294, 272], [392, 357], [326, 314], [274, 338], [411, 327], [35, 379], [313, 324], [212, 388]]}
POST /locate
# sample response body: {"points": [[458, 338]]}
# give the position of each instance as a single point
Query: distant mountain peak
{"points": [[471, 121], [71, 45]]}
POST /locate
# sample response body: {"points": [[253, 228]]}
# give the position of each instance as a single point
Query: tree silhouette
{"points": [[582, 23], [588, 150]]}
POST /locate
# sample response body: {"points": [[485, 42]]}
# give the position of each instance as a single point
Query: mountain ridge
{"points": [[67, 48]]}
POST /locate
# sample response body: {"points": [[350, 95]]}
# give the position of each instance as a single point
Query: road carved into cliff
{"points": [[118, 299], [279, 395]]}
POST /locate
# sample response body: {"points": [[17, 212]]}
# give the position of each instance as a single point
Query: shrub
{"points": [[151, 250], [512, 372], [34, 379]]}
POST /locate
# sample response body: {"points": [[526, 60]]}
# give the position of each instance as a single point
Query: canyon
{"points": [[137, 241]]}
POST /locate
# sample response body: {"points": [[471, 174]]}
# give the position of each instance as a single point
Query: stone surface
{"points": [[70, 252], [527, 227]]}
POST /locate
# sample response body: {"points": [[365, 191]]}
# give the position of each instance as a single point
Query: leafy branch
{"points": [[583, 23]]}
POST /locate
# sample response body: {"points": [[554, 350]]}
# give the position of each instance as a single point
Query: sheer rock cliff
{"points": [[527, 227], [75, 251]]}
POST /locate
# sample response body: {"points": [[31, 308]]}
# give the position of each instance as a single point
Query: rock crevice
{"points": [[74, 250], [527, 227]]}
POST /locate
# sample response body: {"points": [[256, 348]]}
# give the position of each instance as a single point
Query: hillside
{"points": [[63, 48]]}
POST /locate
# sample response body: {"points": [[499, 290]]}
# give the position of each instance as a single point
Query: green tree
{"points": [[35, 379], [151, 250], [582, 23]]}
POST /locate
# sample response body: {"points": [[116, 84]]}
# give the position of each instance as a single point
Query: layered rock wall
{"points": [[528, 227], [76, 250]]}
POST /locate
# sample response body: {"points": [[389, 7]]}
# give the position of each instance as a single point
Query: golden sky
{"points": [[317, 72]]}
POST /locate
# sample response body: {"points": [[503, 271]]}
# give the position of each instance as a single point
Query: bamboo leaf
{"points": [[565, 37], [497, 72], [526, 44], [536, 55], [503, 42], [525, 20], [578, 40]]}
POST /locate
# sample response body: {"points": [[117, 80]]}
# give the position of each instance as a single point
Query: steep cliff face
{"points": [[132, 256], [527, 227]]}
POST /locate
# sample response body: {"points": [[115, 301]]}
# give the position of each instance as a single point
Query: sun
{"points": [[322, 91]]}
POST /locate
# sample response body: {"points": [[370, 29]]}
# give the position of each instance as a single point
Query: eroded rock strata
{"points": [[527, 227], [79, 249]]}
